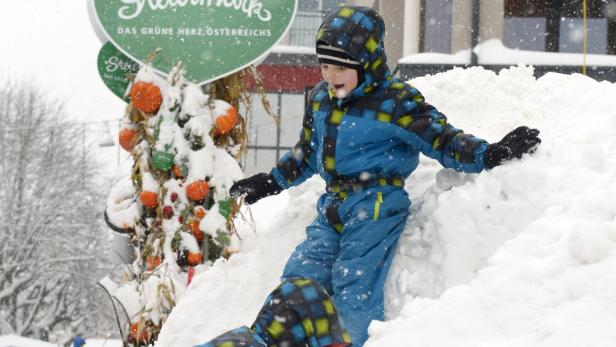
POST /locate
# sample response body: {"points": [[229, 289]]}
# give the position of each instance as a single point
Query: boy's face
{"points": [[341, 79]]}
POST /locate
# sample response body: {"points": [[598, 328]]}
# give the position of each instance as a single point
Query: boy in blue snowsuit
{"points": [[364, 140]]}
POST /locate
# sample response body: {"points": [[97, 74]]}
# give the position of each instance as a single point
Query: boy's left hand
{"points": [[513, 145]]}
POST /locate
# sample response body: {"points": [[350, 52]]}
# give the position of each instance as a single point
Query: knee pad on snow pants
{"points": [[297, 313]]}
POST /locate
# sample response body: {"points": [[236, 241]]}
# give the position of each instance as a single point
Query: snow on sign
{"points": [[113, 68], [212, 38]]}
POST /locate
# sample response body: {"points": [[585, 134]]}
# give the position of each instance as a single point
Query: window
{"points": [[556, 25], [309, 15], [436, 26], [530, 8], [572, 26], [574, 8]]}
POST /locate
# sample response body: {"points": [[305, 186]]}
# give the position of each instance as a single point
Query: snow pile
{"points": [[103, 343], [522, 255], [20, 341]]}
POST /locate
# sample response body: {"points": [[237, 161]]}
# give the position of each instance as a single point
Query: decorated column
{"points": [[185, 137]]}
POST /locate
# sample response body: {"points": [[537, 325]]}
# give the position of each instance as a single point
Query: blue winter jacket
{"points": [[379, 129]]}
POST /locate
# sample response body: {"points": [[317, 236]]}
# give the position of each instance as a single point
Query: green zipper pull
{"points": [[377, 205]]}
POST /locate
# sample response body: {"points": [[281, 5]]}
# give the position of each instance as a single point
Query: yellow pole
{"points": [[585, 47]]}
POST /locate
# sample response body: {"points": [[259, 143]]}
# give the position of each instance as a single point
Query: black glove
{"points": [[513, 145], [255, 187]]}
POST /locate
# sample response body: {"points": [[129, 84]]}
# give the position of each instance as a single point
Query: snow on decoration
{"points": [[175, 206]]}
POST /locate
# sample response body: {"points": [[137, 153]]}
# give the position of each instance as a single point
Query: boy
{"points": [[362, 132]]}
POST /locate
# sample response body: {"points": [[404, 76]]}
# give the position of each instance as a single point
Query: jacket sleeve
{"points": [[300, 163], [428, 131]]}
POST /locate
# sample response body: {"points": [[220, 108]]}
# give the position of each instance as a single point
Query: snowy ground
{"points": [[20, 341], [522, 255]]}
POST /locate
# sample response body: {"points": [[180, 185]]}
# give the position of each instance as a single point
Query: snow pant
{"points": [[349, 252], [297, 313]]}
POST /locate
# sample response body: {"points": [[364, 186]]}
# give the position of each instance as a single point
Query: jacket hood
{"points": [[360, 32]]}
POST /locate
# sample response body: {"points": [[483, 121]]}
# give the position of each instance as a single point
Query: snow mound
{"points": [[20, 341], [522, 255]]}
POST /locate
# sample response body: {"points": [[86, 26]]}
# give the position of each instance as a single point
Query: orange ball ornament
{"points": [[146, 97], [198, 234], [148, 199], [226, 118], [198, 190], [193, 258], [128, 138], [193, 225]]}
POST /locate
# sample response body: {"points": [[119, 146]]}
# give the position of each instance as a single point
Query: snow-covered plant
{"points": [[176, 209]]}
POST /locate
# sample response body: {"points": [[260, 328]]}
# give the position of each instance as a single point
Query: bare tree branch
{"points": [[52, 245]]}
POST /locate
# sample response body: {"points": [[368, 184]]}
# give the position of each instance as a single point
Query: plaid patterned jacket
{"points": [[379, 129]]}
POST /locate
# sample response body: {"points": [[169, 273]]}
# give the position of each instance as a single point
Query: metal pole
{"points": [[585, 45], [279, 113], [474, 32]]}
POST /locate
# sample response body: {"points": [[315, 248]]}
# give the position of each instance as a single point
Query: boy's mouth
{"points": [[338, 86]]}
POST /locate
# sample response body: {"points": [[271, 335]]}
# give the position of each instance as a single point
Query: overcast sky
{"points": [[52, 42]]}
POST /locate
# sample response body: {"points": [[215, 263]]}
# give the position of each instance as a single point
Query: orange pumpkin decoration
{"points": [[146, 97], [152, 262], [226, 121], [193, 226], [199, 212], [148, 199], [198, 234], [193, 258], [198, 190], [128, 138]]}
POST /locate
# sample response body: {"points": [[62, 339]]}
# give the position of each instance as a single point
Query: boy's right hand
{"points": [[513, 145], [255, 188]]}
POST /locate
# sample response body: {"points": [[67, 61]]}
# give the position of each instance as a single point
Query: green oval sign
{"points": [[113, 67], [212, 38]]}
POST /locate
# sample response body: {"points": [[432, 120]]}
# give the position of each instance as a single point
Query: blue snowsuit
{"points": [[364, 146]]}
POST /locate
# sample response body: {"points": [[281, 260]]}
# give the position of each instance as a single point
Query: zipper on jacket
{"points": [[377, 205]]}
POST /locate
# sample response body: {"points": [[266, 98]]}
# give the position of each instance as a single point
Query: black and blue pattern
{"points": [[384, 120], [299, 312], [364, 146]]}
